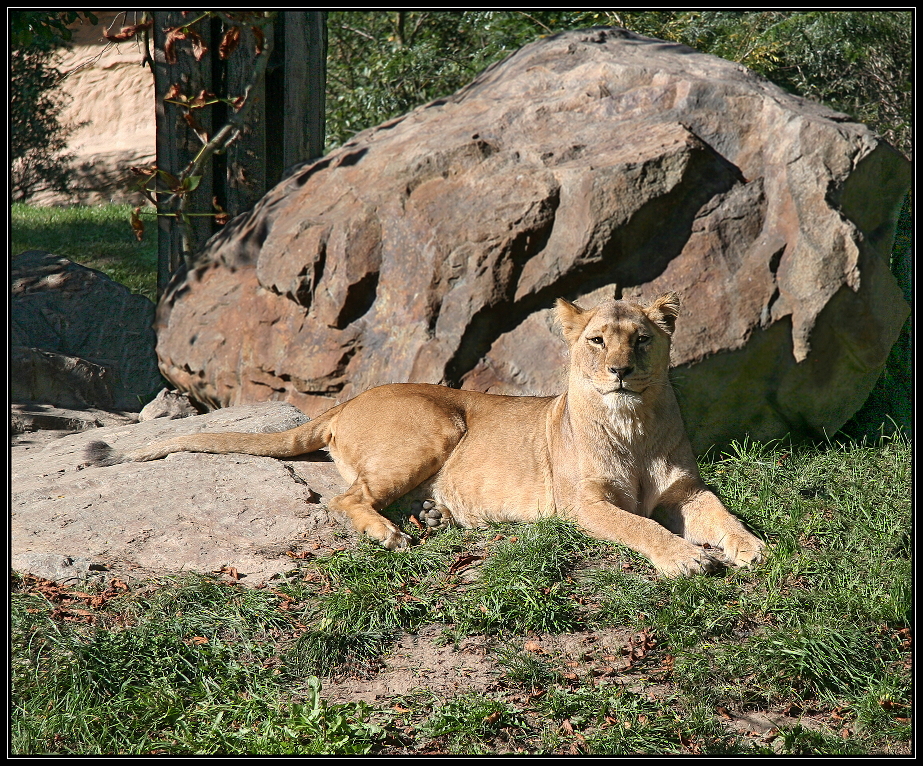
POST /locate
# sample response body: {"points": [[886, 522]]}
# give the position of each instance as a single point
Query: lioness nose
{"points": [[621, 372]]}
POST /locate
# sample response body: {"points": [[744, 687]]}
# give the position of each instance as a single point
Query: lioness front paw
{"points": [[684, 561], [434, 515], [742, 550]]}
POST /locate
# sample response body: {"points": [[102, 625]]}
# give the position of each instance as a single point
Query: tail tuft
{"points": [[100, 455]]}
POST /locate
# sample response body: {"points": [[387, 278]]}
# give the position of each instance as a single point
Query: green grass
{"points": [[99, 237], [523, 584], [822, 628], [470, 723], [192, 668]]}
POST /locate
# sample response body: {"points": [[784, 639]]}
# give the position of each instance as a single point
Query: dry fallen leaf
{"points": [[137, 225], [464, 561]]}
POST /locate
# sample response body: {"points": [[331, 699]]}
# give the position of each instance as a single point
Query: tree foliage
{"points": [[384, 63], [37, 136], [43, 29], [858, 62]]}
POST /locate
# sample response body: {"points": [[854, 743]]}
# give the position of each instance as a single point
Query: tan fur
{"points": [[608, 453]]}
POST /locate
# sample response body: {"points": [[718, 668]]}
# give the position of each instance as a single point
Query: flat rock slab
{"points": [[188, 512], [26, 417]]}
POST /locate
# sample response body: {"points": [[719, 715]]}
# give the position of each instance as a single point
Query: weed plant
{"points": [[470, 722]]}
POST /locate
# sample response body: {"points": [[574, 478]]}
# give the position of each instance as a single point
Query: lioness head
{"points": [[620, 347]]}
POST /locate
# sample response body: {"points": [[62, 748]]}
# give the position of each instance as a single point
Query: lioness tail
{"points": [[100, 454], [308, 437]]}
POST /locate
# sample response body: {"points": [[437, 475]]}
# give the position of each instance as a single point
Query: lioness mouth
{"points": [[635, 387]]}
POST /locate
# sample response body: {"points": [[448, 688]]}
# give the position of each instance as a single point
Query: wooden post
{"points": [[285, 127], [305, 64], [177, 143], [247, 170]]}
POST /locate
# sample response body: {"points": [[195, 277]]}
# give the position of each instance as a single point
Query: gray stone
{"points": [[32, 416], [78, 337], [68, 381], [171, 405], [60, 568], [189, 512]]}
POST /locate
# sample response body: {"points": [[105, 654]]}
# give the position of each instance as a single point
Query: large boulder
{"points": [[79, 339], [432, 247]]}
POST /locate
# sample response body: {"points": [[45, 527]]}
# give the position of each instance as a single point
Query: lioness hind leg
{"points": [[434, 515], [358, 506]]}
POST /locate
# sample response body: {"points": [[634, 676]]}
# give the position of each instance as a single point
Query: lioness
{"points": [[606, 453]]}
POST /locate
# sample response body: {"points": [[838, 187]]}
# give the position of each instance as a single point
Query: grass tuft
{"points": [[522, 584]]}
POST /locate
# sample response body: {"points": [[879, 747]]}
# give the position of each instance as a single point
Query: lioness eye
{"points": [[642, 339], [596, 340]]}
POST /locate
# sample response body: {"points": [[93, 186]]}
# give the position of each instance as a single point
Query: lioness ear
{"points": [[663, 312], [572, 319]]}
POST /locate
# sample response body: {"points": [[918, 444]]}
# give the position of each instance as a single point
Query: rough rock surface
{"points": [[189, 512], [432, 247], [78, 338], [26, 417]]}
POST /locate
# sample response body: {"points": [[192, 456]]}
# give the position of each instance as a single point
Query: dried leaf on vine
{"points": [[174, 35], [175, 92], [126, 33], [137, 224], [221, 218], [193, 123], [145, 171], [260, 40], [199, 48], [202, 99], [229, 42], [169, 44]]}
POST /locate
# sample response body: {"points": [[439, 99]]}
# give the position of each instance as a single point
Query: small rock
{"points": [[171, 405]]}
